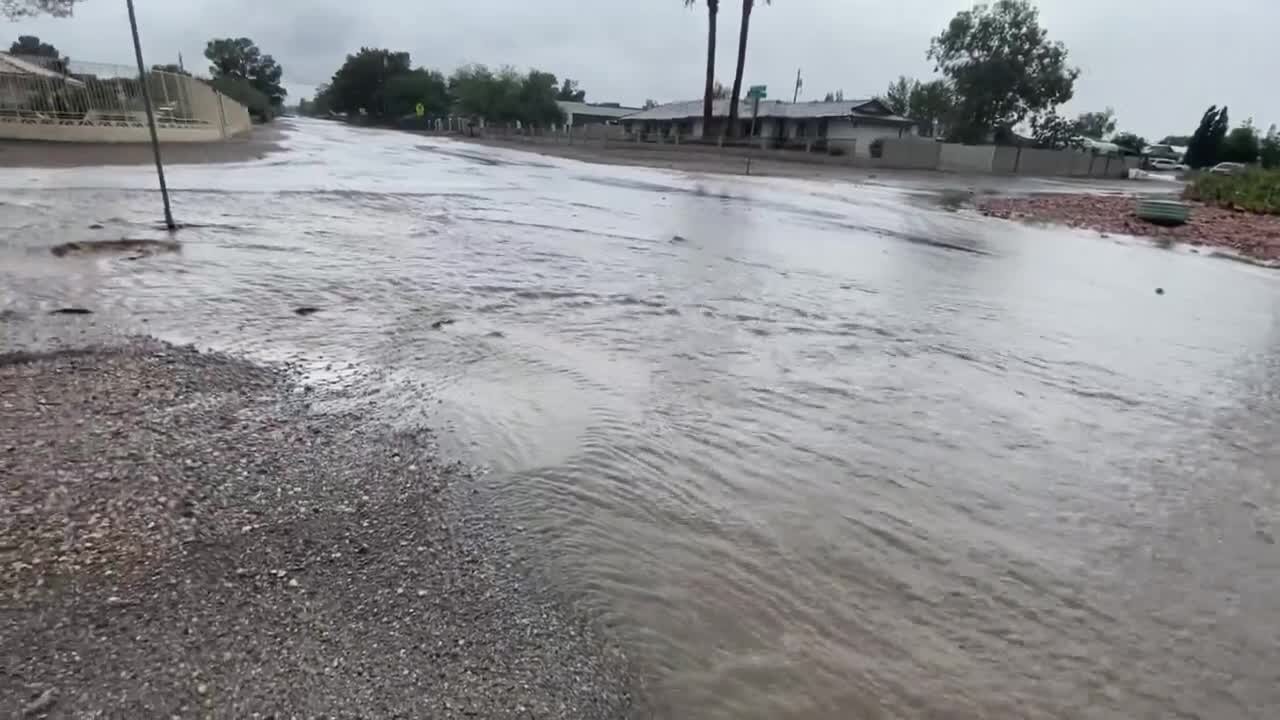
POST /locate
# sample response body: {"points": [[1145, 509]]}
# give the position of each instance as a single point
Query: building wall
{"points": [[954, 157], [10, 130], [862, 133]]}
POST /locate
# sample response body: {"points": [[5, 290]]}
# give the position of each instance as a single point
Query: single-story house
{"points": [[577, 114], [854, 124]]}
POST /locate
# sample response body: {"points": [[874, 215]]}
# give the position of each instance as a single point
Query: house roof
{"points": [[579, 108], [774, 109], [13, 65]]}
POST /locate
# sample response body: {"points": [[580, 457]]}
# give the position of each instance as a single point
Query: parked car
{"points": [[1227, 168], [1166, 164]]}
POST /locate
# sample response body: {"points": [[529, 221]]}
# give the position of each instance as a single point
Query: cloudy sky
{"points": [[1159, 63]]}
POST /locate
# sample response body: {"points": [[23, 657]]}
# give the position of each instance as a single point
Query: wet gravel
{"points": [[1250, 234], [182, 535]]}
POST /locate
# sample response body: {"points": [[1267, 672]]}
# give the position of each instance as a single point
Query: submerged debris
{"points": [[136, 247]]}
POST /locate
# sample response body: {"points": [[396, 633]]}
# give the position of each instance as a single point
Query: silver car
{"points": [[1228, 168]]}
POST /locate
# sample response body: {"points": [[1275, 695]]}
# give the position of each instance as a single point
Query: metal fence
{"points": [[95, 92]]}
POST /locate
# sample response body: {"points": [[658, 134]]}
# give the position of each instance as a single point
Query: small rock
{"points": [[71, 311], [40, 704], [202, 689], [293, 582], [1159, 291], [441, 323], [96, 226], [306, 310]]}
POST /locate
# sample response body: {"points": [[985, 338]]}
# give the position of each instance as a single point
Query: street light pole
{"points": [[151, 117]]}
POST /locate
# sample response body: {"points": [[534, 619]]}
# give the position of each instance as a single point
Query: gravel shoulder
{"points": [[1251, 235], [181, 535]]}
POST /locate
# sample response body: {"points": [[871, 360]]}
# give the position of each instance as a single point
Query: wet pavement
{"points": [[808, 449]]}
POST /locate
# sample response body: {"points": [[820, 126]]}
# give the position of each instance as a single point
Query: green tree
{"points": [[242, 91], [18, 9], [360, 84], [1269, 149], [719, 91], [47, 55], [1052, 131], [1002, 68], [569, 92], [898, 96], [537, 106], [649, 104], [931, 105], [1241, 145], [1130, 142], [709, 94], [405, 91], [1096, 125], [837, 96], [743, 30], [1205, 145], [241, 58]]}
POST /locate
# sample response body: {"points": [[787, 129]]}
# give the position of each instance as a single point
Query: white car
{"points": [[1165, 164], [1228, 168]]}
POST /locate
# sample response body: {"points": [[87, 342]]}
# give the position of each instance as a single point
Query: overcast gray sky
{"points": [[1159, 63]]}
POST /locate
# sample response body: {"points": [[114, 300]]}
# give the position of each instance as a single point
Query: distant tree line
{"points": [[383, 86]]}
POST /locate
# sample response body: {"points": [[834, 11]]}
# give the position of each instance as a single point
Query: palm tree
{"points": [[742, 59], [708, 95]]}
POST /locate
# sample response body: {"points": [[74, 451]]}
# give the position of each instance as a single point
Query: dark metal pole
{"points": [[151, 117]]}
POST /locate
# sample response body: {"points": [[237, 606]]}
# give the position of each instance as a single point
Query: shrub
{"points": [[1256, 191], [243, 92]]}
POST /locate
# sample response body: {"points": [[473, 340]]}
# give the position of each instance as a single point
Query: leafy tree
{"points": [[898, 97], [241, 58], [17, 9], [1052, 131], [405, 91], [1131, 142], [743, 29], [48, 55], [711, 90], [837, 96], [650, 104], [506, 96], [1179, 140], [719, 91], [569, 92], [1096, 125], [1205, 145], [931, 105], [1241, 145], [537, 105], [243, 91], [1269, 149], [360, 84], [1002, 67]]}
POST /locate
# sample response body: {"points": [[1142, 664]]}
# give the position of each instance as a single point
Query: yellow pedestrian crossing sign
{"points": [[422, 109]]}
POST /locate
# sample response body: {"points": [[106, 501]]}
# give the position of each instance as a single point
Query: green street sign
{"points": [[422, 109], [758, 91]]}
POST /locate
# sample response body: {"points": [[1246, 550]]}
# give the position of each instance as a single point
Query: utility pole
{"points": [[799, 82], [151, 117]]}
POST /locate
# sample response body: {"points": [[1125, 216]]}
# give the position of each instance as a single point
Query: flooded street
{"points": [[808, 449]]}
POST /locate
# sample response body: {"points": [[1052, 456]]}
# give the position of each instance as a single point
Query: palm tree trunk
{"points": [[742, 59], [708, 96]]}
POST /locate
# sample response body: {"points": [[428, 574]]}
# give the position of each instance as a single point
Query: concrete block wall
{"points": [[954, 157], [910, 154]]}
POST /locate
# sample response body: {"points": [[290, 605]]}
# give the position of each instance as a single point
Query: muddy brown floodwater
{"points": [[807, 449]]}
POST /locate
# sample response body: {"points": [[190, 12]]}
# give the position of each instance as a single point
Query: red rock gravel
{"points": [[1256, 236]]}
